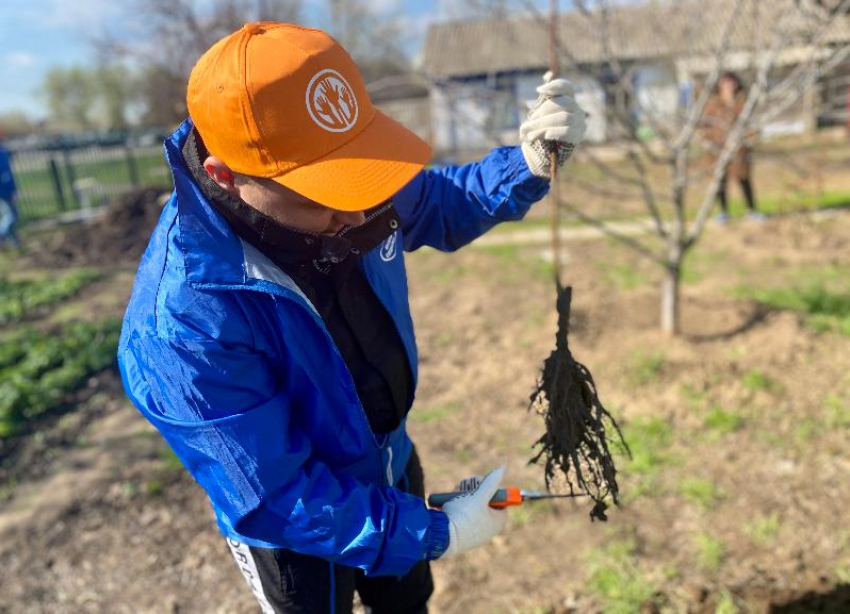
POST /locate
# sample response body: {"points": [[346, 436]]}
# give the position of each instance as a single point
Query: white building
{"points": [[482, 72]]}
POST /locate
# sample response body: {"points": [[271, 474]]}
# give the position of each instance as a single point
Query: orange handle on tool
{"points": [[504, 497]]}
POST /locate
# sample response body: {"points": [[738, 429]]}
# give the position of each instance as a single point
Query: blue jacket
{"points": [[222, 352], [7, 179]]}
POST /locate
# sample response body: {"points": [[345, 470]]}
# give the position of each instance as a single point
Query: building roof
{"points": [[655, 29]]}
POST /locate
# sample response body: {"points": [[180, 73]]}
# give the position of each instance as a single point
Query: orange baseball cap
{"points": [[288, 103]]}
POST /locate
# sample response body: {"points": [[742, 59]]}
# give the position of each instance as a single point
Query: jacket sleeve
{"points": [[228, 418], [447, 208]]}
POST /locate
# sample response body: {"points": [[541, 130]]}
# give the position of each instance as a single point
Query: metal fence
{"points": [[61, 178]]}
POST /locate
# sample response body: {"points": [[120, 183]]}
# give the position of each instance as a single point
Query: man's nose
{"points": [[351, 218]]}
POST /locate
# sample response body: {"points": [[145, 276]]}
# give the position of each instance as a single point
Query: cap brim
{"points": [[365, 172]]}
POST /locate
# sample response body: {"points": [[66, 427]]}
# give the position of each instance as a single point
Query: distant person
{"points": [[721, 113], [269, 335], [8, 194]]}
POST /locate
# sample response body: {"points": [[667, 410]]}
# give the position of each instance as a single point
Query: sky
{"points": [[36, 35]]}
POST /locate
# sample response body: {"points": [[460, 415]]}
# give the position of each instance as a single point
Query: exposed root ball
{"points": [[575, 446]]}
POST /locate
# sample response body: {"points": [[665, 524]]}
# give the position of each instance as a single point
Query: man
{"points": [[8, 193], [269, 337]]}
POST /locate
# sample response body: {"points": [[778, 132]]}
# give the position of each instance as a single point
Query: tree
{"points": [[71, 94], [372, 40], [90, 98], [16, 123], [117, 91], [758, 35], [170, 37]]}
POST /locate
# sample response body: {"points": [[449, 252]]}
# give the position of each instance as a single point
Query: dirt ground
{"points": [[118, 236], [736, 500]]}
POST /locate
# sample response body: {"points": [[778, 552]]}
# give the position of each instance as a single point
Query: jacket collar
{"points": [[213, 254]]}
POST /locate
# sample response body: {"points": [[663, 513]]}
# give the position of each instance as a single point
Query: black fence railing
{"points": [[58, 178]]}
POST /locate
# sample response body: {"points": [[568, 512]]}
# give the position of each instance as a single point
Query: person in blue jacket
{"points": [[268, 337], [8, 194]]}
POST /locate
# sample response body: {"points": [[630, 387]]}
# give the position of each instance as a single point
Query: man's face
{"points": [[728, 87], [292, 209], [280, 203]]}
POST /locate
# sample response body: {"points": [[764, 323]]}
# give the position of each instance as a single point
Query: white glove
{"points": [[555, 123], [472, 522]]}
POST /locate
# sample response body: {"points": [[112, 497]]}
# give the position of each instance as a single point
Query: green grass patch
{"points": [[763, 530], [705, 494], [822, 309], [727, 604], [20, 299], [646, 368], [38, 370], [649, 441], [790, 201], [434, 412], [757, 380], [710, 552], [693, 397], [512, 258], [807, 429], [837, 412], [169, 459], [617, 581], [722, 422], [623, 276], [450, 273]]}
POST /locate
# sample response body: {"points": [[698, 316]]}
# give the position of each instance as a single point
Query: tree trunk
{"points": [[670, 324]]}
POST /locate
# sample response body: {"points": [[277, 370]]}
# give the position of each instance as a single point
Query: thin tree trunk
{"points": [[670, 321]]}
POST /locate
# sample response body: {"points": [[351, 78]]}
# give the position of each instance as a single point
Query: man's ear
{"points": [[221, 174]]}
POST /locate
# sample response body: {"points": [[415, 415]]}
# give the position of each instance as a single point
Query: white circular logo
{"points": [[331, 101], [389, 247]]}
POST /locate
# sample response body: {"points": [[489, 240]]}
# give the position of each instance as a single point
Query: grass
{"points": [[788, 201], [756, 380], [25, 298], [722, 422], [842, 573], [694, 398], [646, 368], [806, 430], [837, 412], [649, 441], [763, 530], [727, 604], [821, 308], [37, 196], [512, 258], [710, 552], [523, 514], [169, 459], [434, 412], [616, 579], [623, 276], [705, 494]]}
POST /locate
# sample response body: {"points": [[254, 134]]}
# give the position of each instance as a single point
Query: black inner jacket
{"points": [[326, 270]]}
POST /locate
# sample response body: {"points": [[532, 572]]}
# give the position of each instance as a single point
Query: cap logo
{"points": [[331, 102]]}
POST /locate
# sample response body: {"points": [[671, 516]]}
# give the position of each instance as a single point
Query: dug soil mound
{"points": [[116, 237]]}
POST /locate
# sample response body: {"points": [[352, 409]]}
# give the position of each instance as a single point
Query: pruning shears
{"points": [[504, 497]]}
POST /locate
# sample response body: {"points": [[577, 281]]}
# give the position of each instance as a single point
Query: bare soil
{"points": [[98, 521], [118, 235]]}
